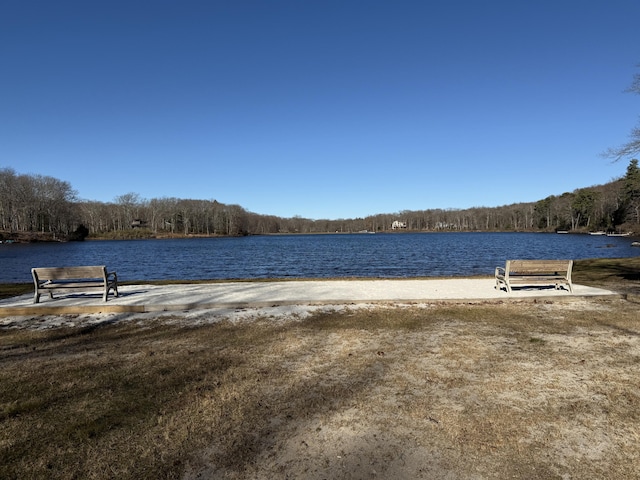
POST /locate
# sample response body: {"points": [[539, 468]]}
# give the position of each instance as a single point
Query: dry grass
{"points": [[619, 274], [518, 390]]}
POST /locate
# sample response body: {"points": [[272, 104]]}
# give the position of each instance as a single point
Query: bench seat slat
{"points": [[83, 284]]}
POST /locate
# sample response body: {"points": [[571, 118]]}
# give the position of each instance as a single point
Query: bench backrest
{"points": [[539, 267], [69, 273]]}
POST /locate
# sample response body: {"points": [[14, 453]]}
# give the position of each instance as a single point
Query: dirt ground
{"points": [[458, 399], [514, 390]]}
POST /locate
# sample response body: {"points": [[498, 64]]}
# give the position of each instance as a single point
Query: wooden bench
{"points": [[535, 272], [69, 278]]}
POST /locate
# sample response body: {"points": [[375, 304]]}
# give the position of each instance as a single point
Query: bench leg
{"points": [[36, 298], [106, 291], [500, 280], [499, 283]]}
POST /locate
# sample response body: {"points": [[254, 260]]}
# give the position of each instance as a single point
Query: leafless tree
{"points": [[30, 203], [632, 146]]}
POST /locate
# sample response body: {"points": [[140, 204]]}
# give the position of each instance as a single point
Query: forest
{"points": [[36, 207]]}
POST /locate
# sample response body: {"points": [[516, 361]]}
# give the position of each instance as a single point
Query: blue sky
{"points": [[323, 109]]}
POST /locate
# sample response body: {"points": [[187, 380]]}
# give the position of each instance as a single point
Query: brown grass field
{"points": [[480, 390]]}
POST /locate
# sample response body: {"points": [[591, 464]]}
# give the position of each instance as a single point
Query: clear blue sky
{"points": [[323, 109]]}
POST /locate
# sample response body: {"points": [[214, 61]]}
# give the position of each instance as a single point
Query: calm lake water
{"points": [[309, 256]]}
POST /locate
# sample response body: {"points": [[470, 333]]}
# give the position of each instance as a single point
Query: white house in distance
{"points": [[396, 225]]}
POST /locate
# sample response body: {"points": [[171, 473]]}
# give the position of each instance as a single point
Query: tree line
{"points": [[50, 207], [36, 204]]}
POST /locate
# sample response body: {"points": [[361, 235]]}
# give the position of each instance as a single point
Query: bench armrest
{"points": [[500, 272]]}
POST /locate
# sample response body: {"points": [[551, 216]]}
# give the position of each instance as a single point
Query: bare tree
{"points": [[30, 203], [128, 206], [632, 147], [7, 198]]}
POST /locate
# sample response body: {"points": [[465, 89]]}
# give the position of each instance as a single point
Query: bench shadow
{"points": [[96, 295], [526, 288]]}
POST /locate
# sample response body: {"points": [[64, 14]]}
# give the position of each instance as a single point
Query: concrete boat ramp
{"points": [[257, 294]]}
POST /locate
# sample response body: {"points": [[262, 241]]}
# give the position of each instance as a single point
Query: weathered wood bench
{"points": [[69, 278], [535, 272]]}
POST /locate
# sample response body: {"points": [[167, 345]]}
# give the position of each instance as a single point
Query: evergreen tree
{"points": [[631, 193]]}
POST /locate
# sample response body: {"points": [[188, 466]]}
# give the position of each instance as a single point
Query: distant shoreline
{"points": [[39, 237]]}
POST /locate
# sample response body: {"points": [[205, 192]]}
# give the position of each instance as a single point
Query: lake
{"points": [[309, 256]]}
